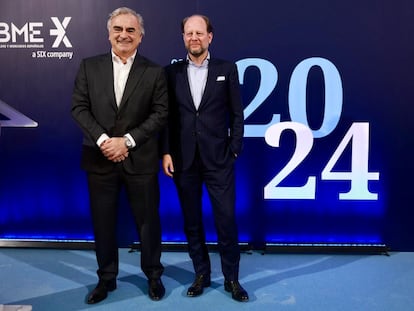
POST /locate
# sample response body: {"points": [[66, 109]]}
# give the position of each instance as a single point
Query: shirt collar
{"points": [[203, 64], [117, 59]]}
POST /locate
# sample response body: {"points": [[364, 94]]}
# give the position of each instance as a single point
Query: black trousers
{"points": [[220, 184], [143, 196]]}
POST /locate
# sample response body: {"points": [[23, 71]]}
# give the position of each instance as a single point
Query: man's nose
{"points": [[194, 36], [123, 33]]}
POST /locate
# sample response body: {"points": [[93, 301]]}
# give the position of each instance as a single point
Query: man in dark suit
{"points": [[120, 101], [202, 140]]}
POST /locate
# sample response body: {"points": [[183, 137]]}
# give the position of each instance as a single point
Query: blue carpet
{"points": [[59, 280]]}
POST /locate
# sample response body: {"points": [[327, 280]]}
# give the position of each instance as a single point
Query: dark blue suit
{"points": [[203, 144]]}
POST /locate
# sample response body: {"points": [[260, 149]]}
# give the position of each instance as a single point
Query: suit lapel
{"points": [[135, 75], [211, 81], [182, 81], [107, 74]]}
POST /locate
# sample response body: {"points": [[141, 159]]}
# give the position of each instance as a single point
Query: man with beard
{"points": [[200, 145]]}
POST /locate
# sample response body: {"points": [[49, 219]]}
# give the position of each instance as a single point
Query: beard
{"points": [[196, 52]]}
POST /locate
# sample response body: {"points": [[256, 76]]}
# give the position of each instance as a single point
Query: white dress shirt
{"points": [[197, 78], [121, 73]]}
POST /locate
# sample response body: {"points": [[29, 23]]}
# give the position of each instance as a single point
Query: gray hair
{"points": [[125, 10]]}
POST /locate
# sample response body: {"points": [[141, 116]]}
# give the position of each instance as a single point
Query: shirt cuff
{"points": [[101, 139]]}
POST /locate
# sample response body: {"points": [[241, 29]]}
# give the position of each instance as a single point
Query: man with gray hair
{"points": [[120, 102]]}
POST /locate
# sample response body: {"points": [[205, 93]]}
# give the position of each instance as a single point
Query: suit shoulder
{"points": [[222, 62], [93, 62], [176, 67], [148, 62]]}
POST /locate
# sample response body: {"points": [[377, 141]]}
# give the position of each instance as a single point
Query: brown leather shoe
{"points": [[237, 291], [201, 281], [101, 291]]}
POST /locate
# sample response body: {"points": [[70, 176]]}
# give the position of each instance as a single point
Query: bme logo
{"points": [[31, 32]]}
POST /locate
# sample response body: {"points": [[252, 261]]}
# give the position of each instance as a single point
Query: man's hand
{"points": [[167, 165], [114, 149]]}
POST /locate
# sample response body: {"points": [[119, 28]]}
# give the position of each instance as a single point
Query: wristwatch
{"points": [[128, 143]]}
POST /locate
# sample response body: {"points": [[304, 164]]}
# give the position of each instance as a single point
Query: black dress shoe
{"points": [[155, 289], [101, 291], [196, 289], [237, 291]]}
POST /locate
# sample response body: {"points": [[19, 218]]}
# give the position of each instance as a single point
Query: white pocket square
{"points": [[221, 78]]}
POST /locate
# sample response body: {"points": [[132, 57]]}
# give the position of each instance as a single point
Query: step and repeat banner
{"points": [[328, 104]]}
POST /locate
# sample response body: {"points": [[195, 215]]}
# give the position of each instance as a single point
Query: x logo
{"points": [[60, 32]]}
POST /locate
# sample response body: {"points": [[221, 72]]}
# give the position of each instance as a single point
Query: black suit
{"points": [[142, 113], [203, 144]]}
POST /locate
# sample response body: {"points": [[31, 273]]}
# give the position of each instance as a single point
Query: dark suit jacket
{"points": [[216, 128], [142, 112]]}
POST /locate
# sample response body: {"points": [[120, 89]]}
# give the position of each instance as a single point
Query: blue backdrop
{"points": [[327, 90]]}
